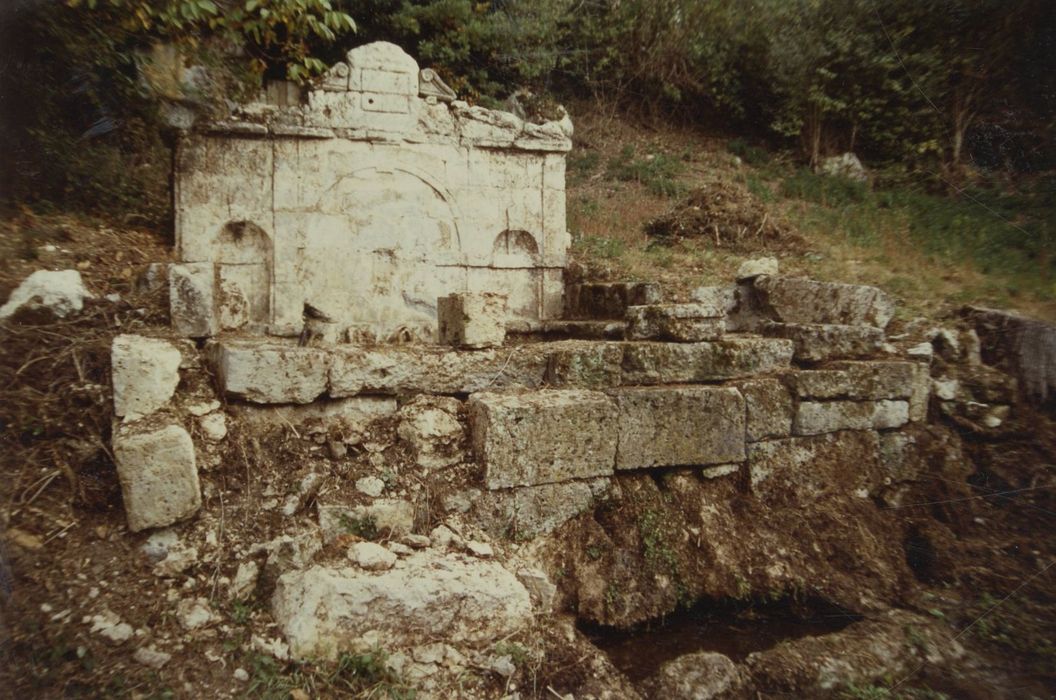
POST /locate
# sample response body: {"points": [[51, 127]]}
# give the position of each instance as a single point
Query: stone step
{"points": [[687, 323], [805, 301], [820, 342], [608, 300]]}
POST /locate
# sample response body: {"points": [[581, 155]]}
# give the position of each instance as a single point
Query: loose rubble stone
{"points": [[323, 610], [349, 417], [608, 300], [769, 406], [530, 511], [816, 417], [109, 625], [543, 437], [192, 299], [679, 426], [701, 676], [687, 323], [149, 656], [719, 471], [288, 552], [370, 485], [370, 556], [160, 543], [62, 292], [686, 363], [214, 426], [193, 613], [472, 319], [814, 343], [430, 426], [800, 470], [264, 372], [482, 550], [145, 374], [158, 475], [585, 366], [245, 581], [799, 300], [751, 269], [541, 589], [416, 541], [179, 558], [307, 488]]}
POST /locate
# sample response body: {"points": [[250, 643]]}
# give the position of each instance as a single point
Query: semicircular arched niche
{"points": [[386, 247], [515, 248], [244, 263]]}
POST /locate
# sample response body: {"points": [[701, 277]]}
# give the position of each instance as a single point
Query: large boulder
{"points": [[62, 292], [324, 611]]}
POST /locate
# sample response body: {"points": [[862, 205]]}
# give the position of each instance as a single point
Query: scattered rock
{"points": [[750, 269], [442, 537], [370, 485], [245, 581], [845, 165], [307, 489], [480, 549], [416, 541], [149, 656], [430, 426], [178, 559], [370, 556], [109, 625], [214, 426], [193, 613], [61, 292], [201, 408], [241, 675], [701, 676]]}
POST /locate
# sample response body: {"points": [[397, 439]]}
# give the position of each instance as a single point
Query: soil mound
{"points": [[730, 215]]}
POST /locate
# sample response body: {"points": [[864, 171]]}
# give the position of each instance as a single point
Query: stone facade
{"points": [[370, 201]]}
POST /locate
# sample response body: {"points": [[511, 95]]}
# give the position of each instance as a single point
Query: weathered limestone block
{"points": [[543, 437], [60, 291], [688, 323], [585, 366], [679, 426], [859, 381], [159, 478], [750, 269], [678, 363], [608, 300], [801, 470], [324, 611], [472, 320], [531, 511], [921, 395], [145, 374], [769, 406], [718, 301], [192, 299], [410, 368], [264, 372], [429, 425], [816, 342], [348, 417], [700, 676], [816, 417], [389, 517], [804, 301]]}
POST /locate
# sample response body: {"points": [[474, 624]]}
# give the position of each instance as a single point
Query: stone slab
{"points": [[158, 475], [649, 363], [530, 511], [803, 300], [769, 408], [688, 323], [145, 372], [324, 611], [859, 381], [268, 373], [798, 471], [585, 366], [543, 437], [608, 300], [718, 301], [679, 426], [820, 342], [816, 417]]}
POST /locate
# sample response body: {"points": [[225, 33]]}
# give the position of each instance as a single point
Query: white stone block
{"points": [[158, 475], [472, 320], [192, 299], [145, 374]]}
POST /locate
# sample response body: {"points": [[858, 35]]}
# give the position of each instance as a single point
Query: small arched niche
{"points": [[515, 248], [244, 253]]}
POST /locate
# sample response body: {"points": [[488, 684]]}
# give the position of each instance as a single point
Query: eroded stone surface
{"points": [[430, 427], [699, 676], [192, 299], [860, 381], [323, 611], [688, 323], [473, 321], [271, 373], [769, 406], [530, 511], [679, 426], [816, 417], [585, 366], [801, 470], [730, 358], [543, 437], [805, 301], [818, 342], [145, 374], [158, 475], [389, 517], [608, 300]]}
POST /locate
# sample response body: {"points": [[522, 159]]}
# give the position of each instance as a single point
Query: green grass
{"points": [[362, 675], [657, 172]]}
